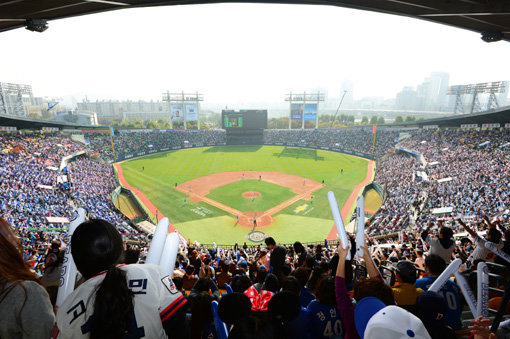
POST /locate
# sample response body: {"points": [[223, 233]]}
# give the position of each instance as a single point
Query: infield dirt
{"points": [[198, 188]]}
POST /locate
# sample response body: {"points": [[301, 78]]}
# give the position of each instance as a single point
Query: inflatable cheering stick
{"points": [[340, 229], [170, 253], [466, 291], [158, 242], [360, 225], [447, 273], [482, 307], [68, 273]]}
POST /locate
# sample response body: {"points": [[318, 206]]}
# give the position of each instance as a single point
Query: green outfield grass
{"points": [[231, 195], [205, 223]]}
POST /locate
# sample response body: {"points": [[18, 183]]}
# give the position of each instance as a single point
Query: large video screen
{"points": [[245, 119]]}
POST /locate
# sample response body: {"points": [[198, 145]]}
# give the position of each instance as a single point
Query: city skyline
{"points": [[234, 58]]}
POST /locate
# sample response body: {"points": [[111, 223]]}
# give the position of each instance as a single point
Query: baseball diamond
{"points": [[205, 192]]}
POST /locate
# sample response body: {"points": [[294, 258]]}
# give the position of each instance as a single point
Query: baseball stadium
{"points": [[332, 217]]}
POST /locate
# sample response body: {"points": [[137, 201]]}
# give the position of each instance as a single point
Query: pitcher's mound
{"points": [[251, 195]]}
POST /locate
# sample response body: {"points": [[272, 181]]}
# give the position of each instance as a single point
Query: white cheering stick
{"points": [[466, 291], [170, 253], [68, 273], [490, 246], [360, 225], [340, 229], [482, 307], [447, 273], [158, 242]]}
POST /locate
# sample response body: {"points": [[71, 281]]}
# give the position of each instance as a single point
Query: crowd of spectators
{"points": [[292, 291], [92, 184], [395, 175], [466, 171], [131, 142], [351, 139], [297, 291], [31, 190], [128, 142]]}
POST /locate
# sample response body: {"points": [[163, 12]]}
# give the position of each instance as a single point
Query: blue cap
{"points": [[262, 267], [364, 310]]}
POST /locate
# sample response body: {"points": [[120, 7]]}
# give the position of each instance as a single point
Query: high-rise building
{"points": [[406, 99], [117, 110], [431, 93], [441, 81]]}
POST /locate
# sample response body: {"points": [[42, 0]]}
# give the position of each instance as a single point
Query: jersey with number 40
{"points": [[155, 300], [326, 322]]}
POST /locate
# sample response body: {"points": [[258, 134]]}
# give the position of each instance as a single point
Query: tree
{"points": [[410, 118], [164, 123], [151, 124], [373, 119], [380, 121], [278, 123], [364, 120], [399, 119]]}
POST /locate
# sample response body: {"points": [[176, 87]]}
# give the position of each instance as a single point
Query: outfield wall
{"points": [[289, 144]]}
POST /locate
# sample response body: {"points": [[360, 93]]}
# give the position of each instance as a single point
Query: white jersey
{"points": [[155, 300], [481, 252]]}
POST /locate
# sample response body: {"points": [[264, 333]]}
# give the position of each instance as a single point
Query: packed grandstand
{"points": [[450, 183]]}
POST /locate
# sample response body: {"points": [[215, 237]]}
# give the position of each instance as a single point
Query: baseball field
{"points": [[240, 194]]}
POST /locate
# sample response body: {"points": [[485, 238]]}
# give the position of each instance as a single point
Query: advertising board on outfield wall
{"points": [[290, 144]]}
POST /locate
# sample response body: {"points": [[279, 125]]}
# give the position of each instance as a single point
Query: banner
{"points": [[296, 111], [493, 125], [177, 113], [310, 108], [191, 112]]}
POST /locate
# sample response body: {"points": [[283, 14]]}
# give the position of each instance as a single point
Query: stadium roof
{"points": [[501, 116], [489, 17], [28, 123]]}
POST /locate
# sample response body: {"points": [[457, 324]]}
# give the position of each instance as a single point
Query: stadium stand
{"points": [[278, 290]]}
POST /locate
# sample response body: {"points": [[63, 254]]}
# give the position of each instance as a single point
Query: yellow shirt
{"points": [[406, 294]]}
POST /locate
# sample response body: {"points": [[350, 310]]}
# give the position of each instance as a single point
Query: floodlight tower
{"points": [[11, 98], [491, 88], [307, 109], [183, 102]]}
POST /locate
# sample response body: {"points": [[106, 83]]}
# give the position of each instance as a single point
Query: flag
{"points": [[112, 131], [374, 128]]}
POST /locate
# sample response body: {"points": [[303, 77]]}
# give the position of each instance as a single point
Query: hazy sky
{"points": [[242, 53]]}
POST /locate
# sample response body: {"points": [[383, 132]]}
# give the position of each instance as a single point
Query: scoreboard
{"points": [[244, 119], [233, 121]]}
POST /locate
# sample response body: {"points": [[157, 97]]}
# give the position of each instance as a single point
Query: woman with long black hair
{"points": [[118, 301], [25, 308]]}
